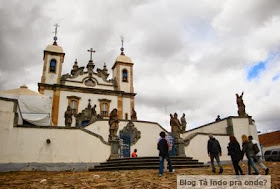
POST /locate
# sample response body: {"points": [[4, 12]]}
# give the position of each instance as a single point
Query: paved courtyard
{"points": [[115, 179]]}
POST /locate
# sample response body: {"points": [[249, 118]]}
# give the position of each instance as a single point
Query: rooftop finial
{"points": [[122, 49], [91, 51], [90, 64], [55, 33], [105, 67]]}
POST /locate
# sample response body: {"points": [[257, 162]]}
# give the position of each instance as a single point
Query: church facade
{"points": [[85, 86]]}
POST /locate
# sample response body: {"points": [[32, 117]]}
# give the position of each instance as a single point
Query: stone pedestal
{"points": [[180, 147], [115, 146]]}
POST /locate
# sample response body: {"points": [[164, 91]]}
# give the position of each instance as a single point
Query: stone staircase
{"points": [[145, 163]]}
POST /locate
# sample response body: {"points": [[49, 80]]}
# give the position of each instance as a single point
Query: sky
{"points": [[189, 57]]}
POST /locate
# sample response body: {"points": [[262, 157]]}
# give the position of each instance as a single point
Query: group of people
{"points": [[250, 148]]}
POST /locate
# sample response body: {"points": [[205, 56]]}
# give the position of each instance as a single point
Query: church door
{"points": [[173, 151], [125, 145]]}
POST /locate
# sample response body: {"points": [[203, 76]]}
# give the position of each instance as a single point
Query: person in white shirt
{"points": [[259, 158]]}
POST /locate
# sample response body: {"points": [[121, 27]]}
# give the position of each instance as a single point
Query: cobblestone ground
{"points": [[114, 179]]}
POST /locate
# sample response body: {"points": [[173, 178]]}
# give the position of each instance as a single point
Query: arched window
{"points": [[74, 106], [104, 107], [73, 102], [53, 65], [124, 75]]}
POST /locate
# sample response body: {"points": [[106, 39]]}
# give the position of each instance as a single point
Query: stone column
{"points": [[180, 147], [115, 146]]}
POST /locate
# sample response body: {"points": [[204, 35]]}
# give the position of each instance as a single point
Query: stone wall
{"points": [[22, 144]]}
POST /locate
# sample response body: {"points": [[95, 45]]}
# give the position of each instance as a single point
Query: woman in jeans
{"points": [[248, 149], [236, 154]]}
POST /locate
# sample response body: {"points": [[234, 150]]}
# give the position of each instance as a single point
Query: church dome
{"points": [[123, 58], [23, 90], [54, 48]]}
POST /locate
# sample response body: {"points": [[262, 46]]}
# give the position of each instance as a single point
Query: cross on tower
{"points": [[122, 39], [55, 31], [122, 49], [91, 51]]}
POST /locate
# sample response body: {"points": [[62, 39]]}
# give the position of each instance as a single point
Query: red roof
{"points": [[270, 139]]}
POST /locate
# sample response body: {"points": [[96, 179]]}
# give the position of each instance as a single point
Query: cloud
{"points": [[189, 56]]}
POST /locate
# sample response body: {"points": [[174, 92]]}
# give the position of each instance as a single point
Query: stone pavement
{"points": [[115, 179]]}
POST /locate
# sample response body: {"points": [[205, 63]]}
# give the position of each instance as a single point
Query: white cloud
{"points": [[190, 56]]}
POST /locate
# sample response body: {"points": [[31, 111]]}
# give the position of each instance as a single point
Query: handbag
{"points": [[256, 148]]}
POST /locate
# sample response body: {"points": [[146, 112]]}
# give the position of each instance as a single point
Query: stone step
{"points": [[147, 159], [145, 163], [149, 163], [100, 168]]}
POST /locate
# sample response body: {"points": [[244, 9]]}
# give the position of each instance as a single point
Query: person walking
{"points": [[214, 152], [236, 154], [248, 149], [259, 155], [164, 147]]}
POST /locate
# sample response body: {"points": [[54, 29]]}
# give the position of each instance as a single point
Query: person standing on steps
{"points": [[258, 155], [134, 153], [214, 151], [163, 146]]}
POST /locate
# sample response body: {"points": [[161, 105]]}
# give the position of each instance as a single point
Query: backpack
{"points": [[256, 148]]}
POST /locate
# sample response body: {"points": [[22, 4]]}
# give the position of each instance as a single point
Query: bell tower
{"points": [[123, 72], [52, 68], [123, 77], [53, 59]]}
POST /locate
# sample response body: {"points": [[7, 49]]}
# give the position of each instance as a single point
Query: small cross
{"points": [[91, 51], [122, 39], [122, 49], [55, 31]]}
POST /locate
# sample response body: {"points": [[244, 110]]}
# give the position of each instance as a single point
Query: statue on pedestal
{"points": [[175, 125], [133, 115], [93, 114], [184, 123], [114, 124], [68, 117], [176, 129], [240, 104]]}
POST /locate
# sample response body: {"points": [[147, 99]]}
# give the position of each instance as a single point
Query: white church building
{"points": [[34, 136]]}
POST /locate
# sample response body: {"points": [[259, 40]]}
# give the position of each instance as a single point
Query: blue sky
{"points": [[257, 69]]}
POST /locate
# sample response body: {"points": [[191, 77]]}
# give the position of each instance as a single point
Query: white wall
{"points": [[19, 145], [200, 153], [241, 126], [6, 116], [126, 108], [215, 127], [23, 145]]}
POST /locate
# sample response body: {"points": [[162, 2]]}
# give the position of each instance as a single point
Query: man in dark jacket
{"points": [[163, 147], [214, 151]]}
